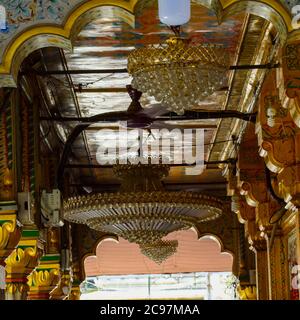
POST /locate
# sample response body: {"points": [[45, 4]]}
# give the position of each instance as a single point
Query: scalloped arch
{"points": [[217, 238], [93, 251], [223, 249], [39, 36]]}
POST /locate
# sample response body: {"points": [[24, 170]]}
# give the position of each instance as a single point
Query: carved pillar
{"points": [[259, 247], [279, 281], [44, 278], [244, 214], [255, 184], [21, 263], [8, 155], [10, 234]]}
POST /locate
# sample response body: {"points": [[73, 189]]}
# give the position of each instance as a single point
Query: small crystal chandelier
{"points": [[178, 74]]}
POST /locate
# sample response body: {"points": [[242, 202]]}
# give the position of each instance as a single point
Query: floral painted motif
{"points": [[21, 13]]}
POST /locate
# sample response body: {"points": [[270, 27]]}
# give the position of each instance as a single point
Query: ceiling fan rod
{"points": [[104, 71]]}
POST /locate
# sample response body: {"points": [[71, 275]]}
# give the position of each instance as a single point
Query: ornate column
{"points": [[254, 185], [278, 259], [44, 278], [10, 234], [260, 248], [21, 263]]}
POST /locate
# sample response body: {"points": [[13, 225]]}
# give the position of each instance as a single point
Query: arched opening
{"points": [[198, 270]]}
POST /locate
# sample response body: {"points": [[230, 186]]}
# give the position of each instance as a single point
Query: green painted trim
{"points": [[50, 257], [45, 269], [23, 247], [30, 233], [3, 221]]}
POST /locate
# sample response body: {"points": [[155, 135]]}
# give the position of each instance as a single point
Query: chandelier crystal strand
{"points": [[160, 250], [178, 74]]}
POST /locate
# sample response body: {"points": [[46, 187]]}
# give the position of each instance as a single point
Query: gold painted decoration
{"points": [[46, 276], [278, 139], [20, 264], [16, 287], [247, 292], [10, 233], [22, 261], [75, 293]]}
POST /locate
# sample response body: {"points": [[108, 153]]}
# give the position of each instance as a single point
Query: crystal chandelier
{"points": [[142, 212], [178, 74]]}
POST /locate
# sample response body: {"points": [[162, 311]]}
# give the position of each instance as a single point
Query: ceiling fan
{"points": [[145, 118]]}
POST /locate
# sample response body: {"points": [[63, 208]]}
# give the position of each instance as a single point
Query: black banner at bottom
{"points": [[160, 309]]}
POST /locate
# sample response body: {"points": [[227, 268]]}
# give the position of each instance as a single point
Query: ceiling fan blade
{"points": [[154, 111], [162, 125]]}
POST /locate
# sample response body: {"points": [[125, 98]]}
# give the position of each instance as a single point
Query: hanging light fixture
{"points": [[142, 212], [178, 74], [174, 12]]}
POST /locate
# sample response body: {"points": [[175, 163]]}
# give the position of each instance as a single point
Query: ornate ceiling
{"points": [[104, 44]]}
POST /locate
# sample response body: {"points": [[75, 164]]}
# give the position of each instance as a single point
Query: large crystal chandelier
{"points": [[142, 212]]}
